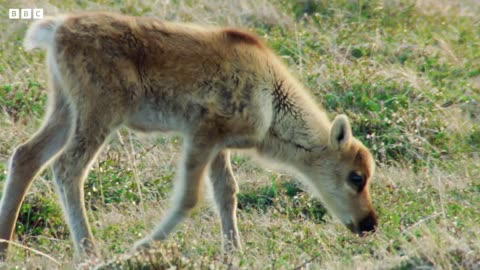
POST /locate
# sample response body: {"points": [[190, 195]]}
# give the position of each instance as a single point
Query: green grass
{"points": [[407, 73]]}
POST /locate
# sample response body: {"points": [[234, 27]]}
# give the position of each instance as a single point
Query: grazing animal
{"points": [[221, 88]]}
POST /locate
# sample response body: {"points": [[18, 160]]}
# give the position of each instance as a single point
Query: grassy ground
{"points": [[406, 72]]}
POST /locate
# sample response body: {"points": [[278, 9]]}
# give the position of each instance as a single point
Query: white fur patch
{"points": [[41, 33]]}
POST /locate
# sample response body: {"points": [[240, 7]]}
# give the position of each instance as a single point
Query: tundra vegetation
{"points": [[407, 74]]}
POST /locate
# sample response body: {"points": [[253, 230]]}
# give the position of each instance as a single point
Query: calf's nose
{"points": [[368, 224]]}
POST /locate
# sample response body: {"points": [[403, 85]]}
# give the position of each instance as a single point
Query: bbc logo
{"points": [[25, 13]]}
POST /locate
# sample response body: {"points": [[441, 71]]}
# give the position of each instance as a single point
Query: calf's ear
{"points": [[340, 133]]}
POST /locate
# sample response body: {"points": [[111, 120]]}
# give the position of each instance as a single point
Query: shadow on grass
{"points": [[286, 198]]}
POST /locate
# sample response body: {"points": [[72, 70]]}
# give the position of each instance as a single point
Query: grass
{"points": [[406, 72]]}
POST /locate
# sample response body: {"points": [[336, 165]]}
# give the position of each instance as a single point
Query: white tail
{"points": [[41, 33]]}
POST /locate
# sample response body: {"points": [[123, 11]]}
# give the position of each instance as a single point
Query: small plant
{"points": [[19, 103]]}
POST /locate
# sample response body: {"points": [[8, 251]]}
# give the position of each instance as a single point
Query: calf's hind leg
{"points": [[29, 158], [70, 170]]}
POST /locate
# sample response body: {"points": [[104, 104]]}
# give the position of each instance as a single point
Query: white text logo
{"points": [[25, 13]]}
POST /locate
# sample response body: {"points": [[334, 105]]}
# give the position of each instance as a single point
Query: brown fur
{"points": [[240, 37], [221, 88]]}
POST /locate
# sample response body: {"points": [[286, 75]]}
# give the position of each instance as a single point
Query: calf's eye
{"points": [[357, 179]]}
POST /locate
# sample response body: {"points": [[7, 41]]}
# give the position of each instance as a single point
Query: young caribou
{"points": [[221, 88]]}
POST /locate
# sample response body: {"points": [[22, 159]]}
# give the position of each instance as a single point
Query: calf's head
{"points": [[341, 177]]}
